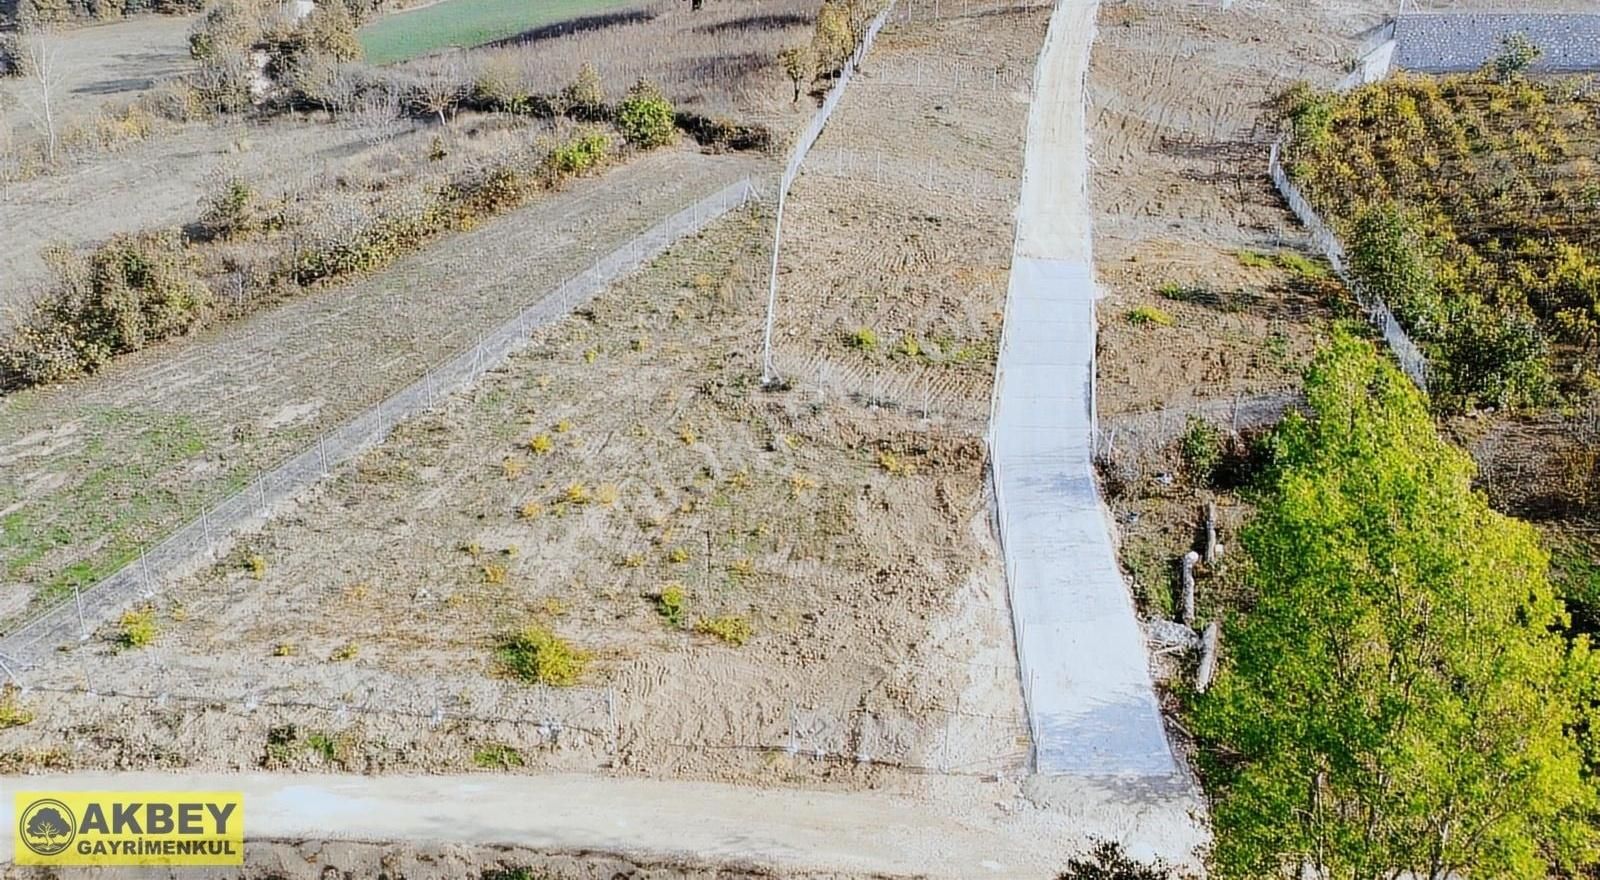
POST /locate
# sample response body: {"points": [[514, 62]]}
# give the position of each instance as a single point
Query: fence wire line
{"points": [[1410, 356], [842, 734], [199, 541], [791, 169]]}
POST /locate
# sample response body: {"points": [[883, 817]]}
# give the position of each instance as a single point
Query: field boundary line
{"points": [[202, 540]]}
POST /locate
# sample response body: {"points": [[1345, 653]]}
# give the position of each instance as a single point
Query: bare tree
{"points": [[441, 86], [377, 115], [40, 57]]}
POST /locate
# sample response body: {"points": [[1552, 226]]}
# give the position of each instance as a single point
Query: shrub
{"points": [[345, 652], [1254, 260], [896, 466], [229, 208], [222, 83], [1310, 112], [12, 711], [1201, 449], [331, 30], [257, 566], [585, 97], [581, 154], [498, 756], [863, 339], [729, 628], [131, 292], [137, 629], [1389, 257], [1517, 54], [539, 656], [670, 603], [646, 117], [1150, 316]]}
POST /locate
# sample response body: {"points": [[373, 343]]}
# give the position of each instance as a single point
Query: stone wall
{"points": [[1457, 42]]}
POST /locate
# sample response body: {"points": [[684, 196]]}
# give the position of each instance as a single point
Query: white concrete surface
{"points": [[1091, 704], [962, 834]]}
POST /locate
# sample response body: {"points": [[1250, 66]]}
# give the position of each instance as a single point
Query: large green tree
{"points": [[1399, 697]]}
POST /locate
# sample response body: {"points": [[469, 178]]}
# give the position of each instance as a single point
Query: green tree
{"points": [[1389, 256], [1398, 698], [1517, 54]]}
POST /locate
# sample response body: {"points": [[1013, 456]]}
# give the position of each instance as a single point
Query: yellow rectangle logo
{"points": [[129, 828]]}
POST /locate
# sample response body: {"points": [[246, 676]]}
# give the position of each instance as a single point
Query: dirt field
{"points": [[854, 539], [631, 450], [97, 468], [101, 64]]}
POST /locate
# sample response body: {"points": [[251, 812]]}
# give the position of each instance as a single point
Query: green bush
{"points": [[539, 656], [1201, 449], [137, 629], [646, 117], [498, 756], [1150, 316], [579, 155]]}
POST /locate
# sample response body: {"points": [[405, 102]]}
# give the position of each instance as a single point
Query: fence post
{"points": [[83, 626], [205, 526]]}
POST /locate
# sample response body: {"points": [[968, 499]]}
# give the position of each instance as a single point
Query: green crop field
{"points": [[466, 23]]}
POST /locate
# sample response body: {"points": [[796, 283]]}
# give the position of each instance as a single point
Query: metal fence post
{"points": [[83, 626]]}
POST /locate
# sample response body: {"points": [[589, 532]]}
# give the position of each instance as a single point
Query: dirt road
{"points": [[786, 830]]}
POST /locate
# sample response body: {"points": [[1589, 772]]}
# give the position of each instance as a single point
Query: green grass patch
{"points": [[1150, 316], [497, 756], [464, 24]]}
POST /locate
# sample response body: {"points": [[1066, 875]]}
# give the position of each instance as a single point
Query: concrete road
{"points": [[1085, 671]]}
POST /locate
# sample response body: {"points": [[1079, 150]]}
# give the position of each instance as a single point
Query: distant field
{"points": [[466, 23]]}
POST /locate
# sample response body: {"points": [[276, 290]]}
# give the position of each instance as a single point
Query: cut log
{"points": [[1186, 567], [1210, 645], [1212, 548]]}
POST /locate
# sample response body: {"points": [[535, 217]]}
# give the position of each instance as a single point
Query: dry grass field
{"points": [[720, 60]]}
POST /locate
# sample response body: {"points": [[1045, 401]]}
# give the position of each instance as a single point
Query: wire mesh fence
{"points": [[595, 723], [791, 169], [1409, 355], [202, 540]]}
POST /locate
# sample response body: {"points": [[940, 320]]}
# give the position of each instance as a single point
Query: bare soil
{"points": [[853, 537], [101, 64]]}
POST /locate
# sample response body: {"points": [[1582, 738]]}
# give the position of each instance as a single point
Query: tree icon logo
{"points": [[47, 827]]}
